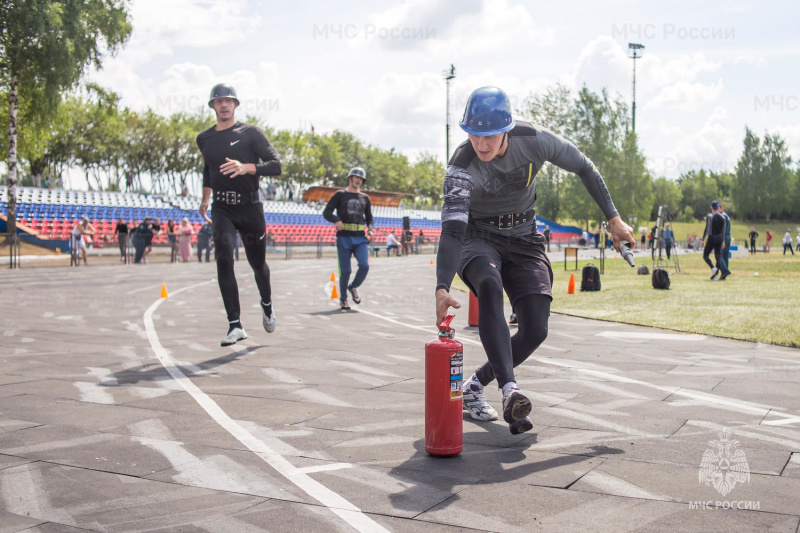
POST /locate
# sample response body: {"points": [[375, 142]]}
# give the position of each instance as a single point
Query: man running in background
{"points": [[489, 237], [353, 216], [236, 155]]}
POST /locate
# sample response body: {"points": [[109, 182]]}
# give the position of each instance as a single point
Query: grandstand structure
{"points": [[50, 215]]}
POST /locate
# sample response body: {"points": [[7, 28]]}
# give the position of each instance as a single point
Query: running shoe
{"points": [[269, 321], [343, 305], [235, 335], [521, 426], [513, 319], [516, 406], [354, 294], [714, 272], [475, 402]]}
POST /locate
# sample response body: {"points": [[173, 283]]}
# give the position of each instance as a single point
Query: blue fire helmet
{"points": [[222, 90], [358, 171], [488, 112]]}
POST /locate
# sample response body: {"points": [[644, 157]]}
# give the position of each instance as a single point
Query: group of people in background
{"points": [[179, 238]]}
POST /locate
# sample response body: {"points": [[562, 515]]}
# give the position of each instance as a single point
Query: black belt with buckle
{"points": [[507, 221], [234, 197]]}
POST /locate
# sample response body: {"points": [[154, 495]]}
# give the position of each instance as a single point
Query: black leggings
{"points": [[504, 351], [249, 220], [713, 244]]}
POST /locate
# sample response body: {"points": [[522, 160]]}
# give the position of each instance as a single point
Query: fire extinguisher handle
{"points": [[444, 327]]}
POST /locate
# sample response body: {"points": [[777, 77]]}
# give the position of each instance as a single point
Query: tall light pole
{"points": [[636, 55], [448, 75]]}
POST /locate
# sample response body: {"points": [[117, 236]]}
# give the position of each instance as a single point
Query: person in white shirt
{"points": [[787, 242], [391, 243]]}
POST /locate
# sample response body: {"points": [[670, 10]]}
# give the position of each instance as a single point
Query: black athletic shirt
{"points": [[352, 208], [244, 143], [715, 225]]}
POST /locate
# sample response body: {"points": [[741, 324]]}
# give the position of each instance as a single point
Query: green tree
{"points": [[764, 184], [428, 178], [666, 192], [551, 108]]}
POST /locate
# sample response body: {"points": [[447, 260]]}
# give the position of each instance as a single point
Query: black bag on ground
{"points": [[660, 279], [643, 270], [590, 280]]}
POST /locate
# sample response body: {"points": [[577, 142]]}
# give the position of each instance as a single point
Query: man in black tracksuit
{"points": [[713, 236], [236, 155]]}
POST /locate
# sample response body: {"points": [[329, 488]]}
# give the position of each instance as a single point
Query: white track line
{"points": [[333, 501]]}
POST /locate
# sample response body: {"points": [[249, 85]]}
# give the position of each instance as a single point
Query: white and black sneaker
{"points": [[354, 294], [343, 305], [269, 321], [516, 408], [475, 402], [235, 335], [714, 272]]}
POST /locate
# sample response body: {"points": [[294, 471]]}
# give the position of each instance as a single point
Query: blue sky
{"points": [[375, 68]]}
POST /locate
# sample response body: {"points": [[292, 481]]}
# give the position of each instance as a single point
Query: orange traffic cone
{"points": [[164, 290], [571, 284], [333, 276], [334, 293], [431, 261]]}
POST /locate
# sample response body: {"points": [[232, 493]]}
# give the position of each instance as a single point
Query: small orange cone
{"points": [[431, 261], [334, 293], [333, 276], [571, 284], [164, 290]]}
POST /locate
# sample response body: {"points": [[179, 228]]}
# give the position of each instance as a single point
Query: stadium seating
{"points": [[55, 212]]}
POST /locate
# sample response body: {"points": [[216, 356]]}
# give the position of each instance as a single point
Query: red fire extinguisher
{"points": [[472, 319], [444, 372]]}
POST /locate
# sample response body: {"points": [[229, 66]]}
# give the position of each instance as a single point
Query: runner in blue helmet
{"points": [[489, 238]]}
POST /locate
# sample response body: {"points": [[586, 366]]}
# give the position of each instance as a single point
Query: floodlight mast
{"points": [[448, 75], [636, 55]]}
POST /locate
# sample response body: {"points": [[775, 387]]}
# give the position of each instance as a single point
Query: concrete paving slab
{"points": [[15, 425], [109, 501], [8, 461], [11, 522], [792, 468], [83, 414], [681, 484], [529, 508]]}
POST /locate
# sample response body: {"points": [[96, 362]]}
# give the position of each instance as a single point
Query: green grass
{"points": [[761, 308]]}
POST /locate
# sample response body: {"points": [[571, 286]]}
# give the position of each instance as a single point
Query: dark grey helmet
{"points": [[358, 171], [223, 90]]}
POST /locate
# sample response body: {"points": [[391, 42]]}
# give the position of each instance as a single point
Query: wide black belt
{"points": [[507, 221], [234, 197]]}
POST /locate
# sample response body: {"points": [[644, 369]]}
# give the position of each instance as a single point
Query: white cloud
{"points": [[713, 147], [685, 96]]}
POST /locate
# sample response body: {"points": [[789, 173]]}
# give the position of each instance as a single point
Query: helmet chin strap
{"points": [[501, 143]]}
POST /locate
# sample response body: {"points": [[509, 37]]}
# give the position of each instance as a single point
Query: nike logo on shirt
{"points": [[234, 142], [262, 237]]}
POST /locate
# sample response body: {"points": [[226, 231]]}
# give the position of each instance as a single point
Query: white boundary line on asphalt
{"points": [[299, 476]]}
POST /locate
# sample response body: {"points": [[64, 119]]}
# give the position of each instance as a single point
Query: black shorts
{"points": [[521, 259]]}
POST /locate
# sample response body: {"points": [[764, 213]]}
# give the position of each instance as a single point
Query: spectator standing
{"points": [[753, 236], [726, 243], [798, 241], [172, 239], [644, 237], [121, 231], [669, 239], [185, 232], [204, 242], [353, 222], [769, 242], [787, 242], [713, 236], [140, 236], [546, 234], [155, 229]]}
